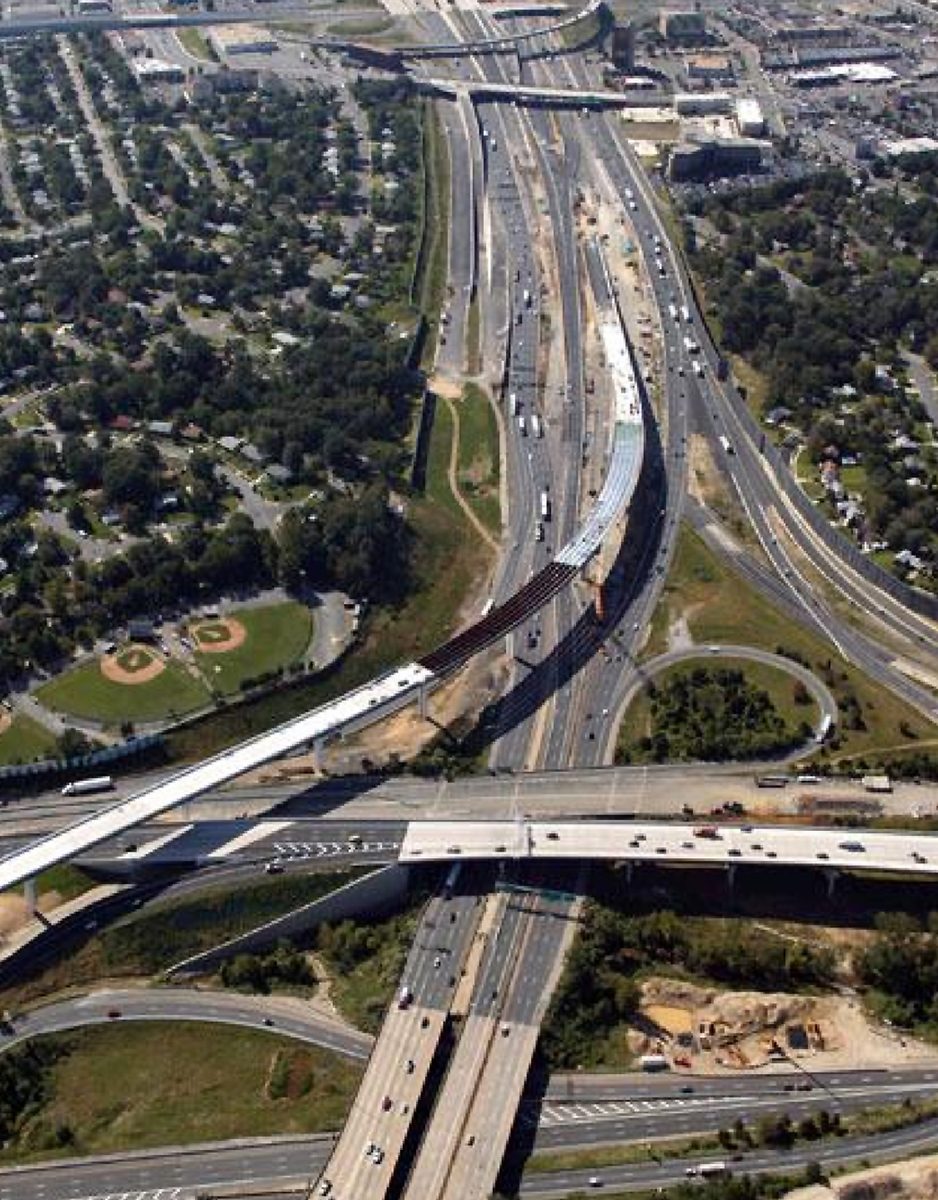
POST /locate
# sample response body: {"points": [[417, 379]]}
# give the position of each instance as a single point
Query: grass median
{"points": [[718, 606]]}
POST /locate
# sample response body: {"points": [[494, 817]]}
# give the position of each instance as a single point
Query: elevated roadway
{"points": [[675, 843], [512, 1034], [519, 93], [366, 1155]]}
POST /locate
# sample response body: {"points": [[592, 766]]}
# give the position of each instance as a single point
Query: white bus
{"points": [[537, 426]]}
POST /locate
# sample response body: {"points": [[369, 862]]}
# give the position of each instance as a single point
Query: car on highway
{"points": [[595, 1181], [378, 1157], [325, 1187], [409, 1066], [113, 1013], [387, 1104]]}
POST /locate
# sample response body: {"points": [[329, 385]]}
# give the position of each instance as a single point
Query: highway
{"points": [[255, 1164], [525, 937], [366, 1155]]}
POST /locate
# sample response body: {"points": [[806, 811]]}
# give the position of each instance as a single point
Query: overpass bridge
{"points": [[507, 41], [675, 843], [528, 94], [394, 690]]}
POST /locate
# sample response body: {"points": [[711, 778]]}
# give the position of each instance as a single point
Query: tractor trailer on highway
{"points": [[545, 506], [84, 787]]}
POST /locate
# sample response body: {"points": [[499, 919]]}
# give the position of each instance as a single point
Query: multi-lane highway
{"points": [[276, 1163]]}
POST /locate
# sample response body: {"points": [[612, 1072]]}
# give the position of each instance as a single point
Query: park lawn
{"points": [[478, 461], [448, 562], [85, 692], [25, 741], [637, 722], [137, 1085], [277, 636], [720, 607]]}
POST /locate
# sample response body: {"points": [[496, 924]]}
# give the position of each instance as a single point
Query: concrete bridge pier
{"points": [[731, 876], [318, 746], [831, 874], [29, 895], [423, 697]]}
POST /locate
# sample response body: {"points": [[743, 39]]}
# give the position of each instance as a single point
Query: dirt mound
{"points": [[705, 1029], [916, 1179]]}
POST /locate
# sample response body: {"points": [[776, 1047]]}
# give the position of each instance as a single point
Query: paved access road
{"points": [[283, 1015]]}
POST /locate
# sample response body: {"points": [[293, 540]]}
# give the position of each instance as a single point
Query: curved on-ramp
{"points": [[820, 692], [277, 1015]]}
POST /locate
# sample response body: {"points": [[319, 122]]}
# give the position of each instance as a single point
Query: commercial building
{"points": [[699, 104], [157, 70], [682, 26], [749, 118], [705, 158], [623, 47], [710, 67]]}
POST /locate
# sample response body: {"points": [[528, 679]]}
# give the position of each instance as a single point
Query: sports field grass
{"points": [[85, 692], [277, 636], [24, 741], [136, 1085], [720, 607]]}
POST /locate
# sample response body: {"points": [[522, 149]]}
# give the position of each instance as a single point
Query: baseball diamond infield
{"points": [[219, 635], [133, 665]]}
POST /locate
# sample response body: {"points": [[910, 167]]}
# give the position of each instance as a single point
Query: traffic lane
{"points": [[267, 1014], [597, 1123], [192, 1169], [770, 1079], [280, 1161], [880, 1148]]}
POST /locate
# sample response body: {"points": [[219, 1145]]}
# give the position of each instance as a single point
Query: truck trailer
{"points": [[84, 787]]}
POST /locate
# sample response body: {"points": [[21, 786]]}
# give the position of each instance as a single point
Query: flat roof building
{"points": [[749, 118]]}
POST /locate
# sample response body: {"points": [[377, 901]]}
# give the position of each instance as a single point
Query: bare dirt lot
{"points": [[916, 1179], [706, 1030], [14, 913]]}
